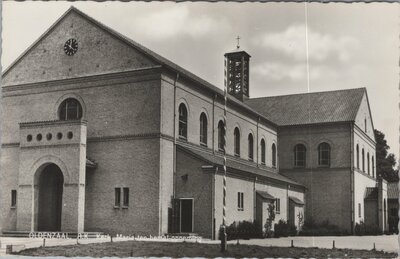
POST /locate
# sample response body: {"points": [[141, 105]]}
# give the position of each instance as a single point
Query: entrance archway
{"points": [[50, 190]]}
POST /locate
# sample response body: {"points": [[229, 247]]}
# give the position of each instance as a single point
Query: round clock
{"points": [[71, 47]]}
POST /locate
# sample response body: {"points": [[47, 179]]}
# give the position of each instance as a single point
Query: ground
{"points": [[191, 249], [386, 243]]}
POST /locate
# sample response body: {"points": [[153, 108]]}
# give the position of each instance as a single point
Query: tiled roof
{"points": [[371, 193], [265, 195], [233, 163], [310, 108], [296, 200], [393, 190]]}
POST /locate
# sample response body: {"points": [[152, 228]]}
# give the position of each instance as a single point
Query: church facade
{"points": [[101, 134]]}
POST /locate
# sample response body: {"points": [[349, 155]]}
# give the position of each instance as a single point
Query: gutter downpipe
{"points": [[213, 124], [352, 176], [174, 158], [258, 124]]}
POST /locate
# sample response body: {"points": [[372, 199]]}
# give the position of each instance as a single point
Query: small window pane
{"points": [[126, 197], [182, 121], [273, 155], [70, 109], [237, 142], [203, 129], [221, 136], [300, 155], [251, 147], [324, 154], [262, 151], [13, 198], [117, 197]]}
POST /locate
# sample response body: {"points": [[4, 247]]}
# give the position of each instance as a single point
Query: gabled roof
{"points": [[393, 190], [183, 73], [296, 200], [233, 163], [265, 195], [310, 108]]}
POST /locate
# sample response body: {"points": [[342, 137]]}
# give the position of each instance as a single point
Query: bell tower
{"points": [[237, 72]]}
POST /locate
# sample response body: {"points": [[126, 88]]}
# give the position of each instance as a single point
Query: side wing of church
{"points": [[101, 134]]}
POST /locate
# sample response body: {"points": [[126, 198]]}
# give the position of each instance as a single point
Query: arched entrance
{"points": [[50, 189]]}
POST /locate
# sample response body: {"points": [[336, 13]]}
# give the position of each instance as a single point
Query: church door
{"points": [[51, 182], [186, 215]]}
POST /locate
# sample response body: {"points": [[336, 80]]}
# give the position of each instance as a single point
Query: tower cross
{"points": [[238, 39]]}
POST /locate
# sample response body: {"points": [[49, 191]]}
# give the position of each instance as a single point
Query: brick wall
{"points": [[198, 186]]}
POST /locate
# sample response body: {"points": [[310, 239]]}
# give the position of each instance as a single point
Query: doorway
{"points": [[186, 215], [50, 183]]}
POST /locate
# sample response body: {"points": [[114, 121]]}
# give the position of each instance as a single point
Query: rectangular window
{"points": [[13, 198], [117, 197], [240, 200], [126, 197], [359, 210], [277, 206]]}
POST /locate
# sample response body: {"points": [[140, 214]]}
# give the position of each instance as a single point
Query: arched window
{"points": [[363, 160], [358, 156], [70, 109], [300, 155], [324, 154], [203, 129], [368, 163], [221, 136], [236, 143], [273, 155], [182, 121], [251, 147], [373, 166], [262, 151]]}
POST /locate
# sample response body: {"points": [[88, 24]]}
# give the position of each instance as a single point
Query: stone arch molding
{"points": [[66, 96], [183, 100], [39, 164]]}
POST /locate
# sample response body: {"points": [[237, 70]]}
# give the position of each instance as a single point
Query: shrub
{"points": [[361, 229], [268, 224], [325, 228], [284, 229], [243, 230]]}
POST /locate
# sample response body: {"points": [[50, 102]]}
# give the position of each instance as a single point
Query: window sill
{"points": [[262, 163], [251, 159], [125, 207], [237, 155], [298, 166], [324, 166], [221, 150], [203, 144], [278, 212], [182, 138], [13, 207], [117, 207], [240, 209]]}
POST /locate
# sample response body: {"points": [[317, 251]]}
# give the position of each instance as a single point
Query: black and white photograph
{"points": [[199, 129]]}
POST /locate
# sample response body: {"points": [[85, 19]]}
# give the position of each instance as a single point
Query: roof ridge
{"points": [[329, 91]]}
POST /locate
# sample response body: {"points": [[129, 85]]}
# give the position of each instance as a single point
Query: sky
{"points": [[349, 45]]}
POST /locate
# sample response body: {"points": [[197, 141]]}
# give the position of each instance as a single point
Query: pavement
{"points": [[388, 243]]}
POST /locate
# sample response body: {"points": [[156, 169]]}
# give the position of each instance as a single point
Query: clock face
{"points": [[71, 47]]}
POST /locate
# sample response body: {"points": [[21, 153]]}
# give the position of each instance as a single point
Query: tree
{"points": [[385, 161]]}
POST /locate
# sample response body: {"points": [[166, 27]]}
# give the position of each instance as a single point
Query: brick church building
{"points": [[101, 134]]}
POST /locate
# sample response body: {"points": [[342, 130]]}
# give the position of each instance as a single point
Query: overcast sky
{"points": [[350, 45]]}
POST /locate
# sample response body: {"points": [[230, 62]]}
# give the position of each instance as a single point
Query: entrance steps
{"points": [[49, 234]]}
